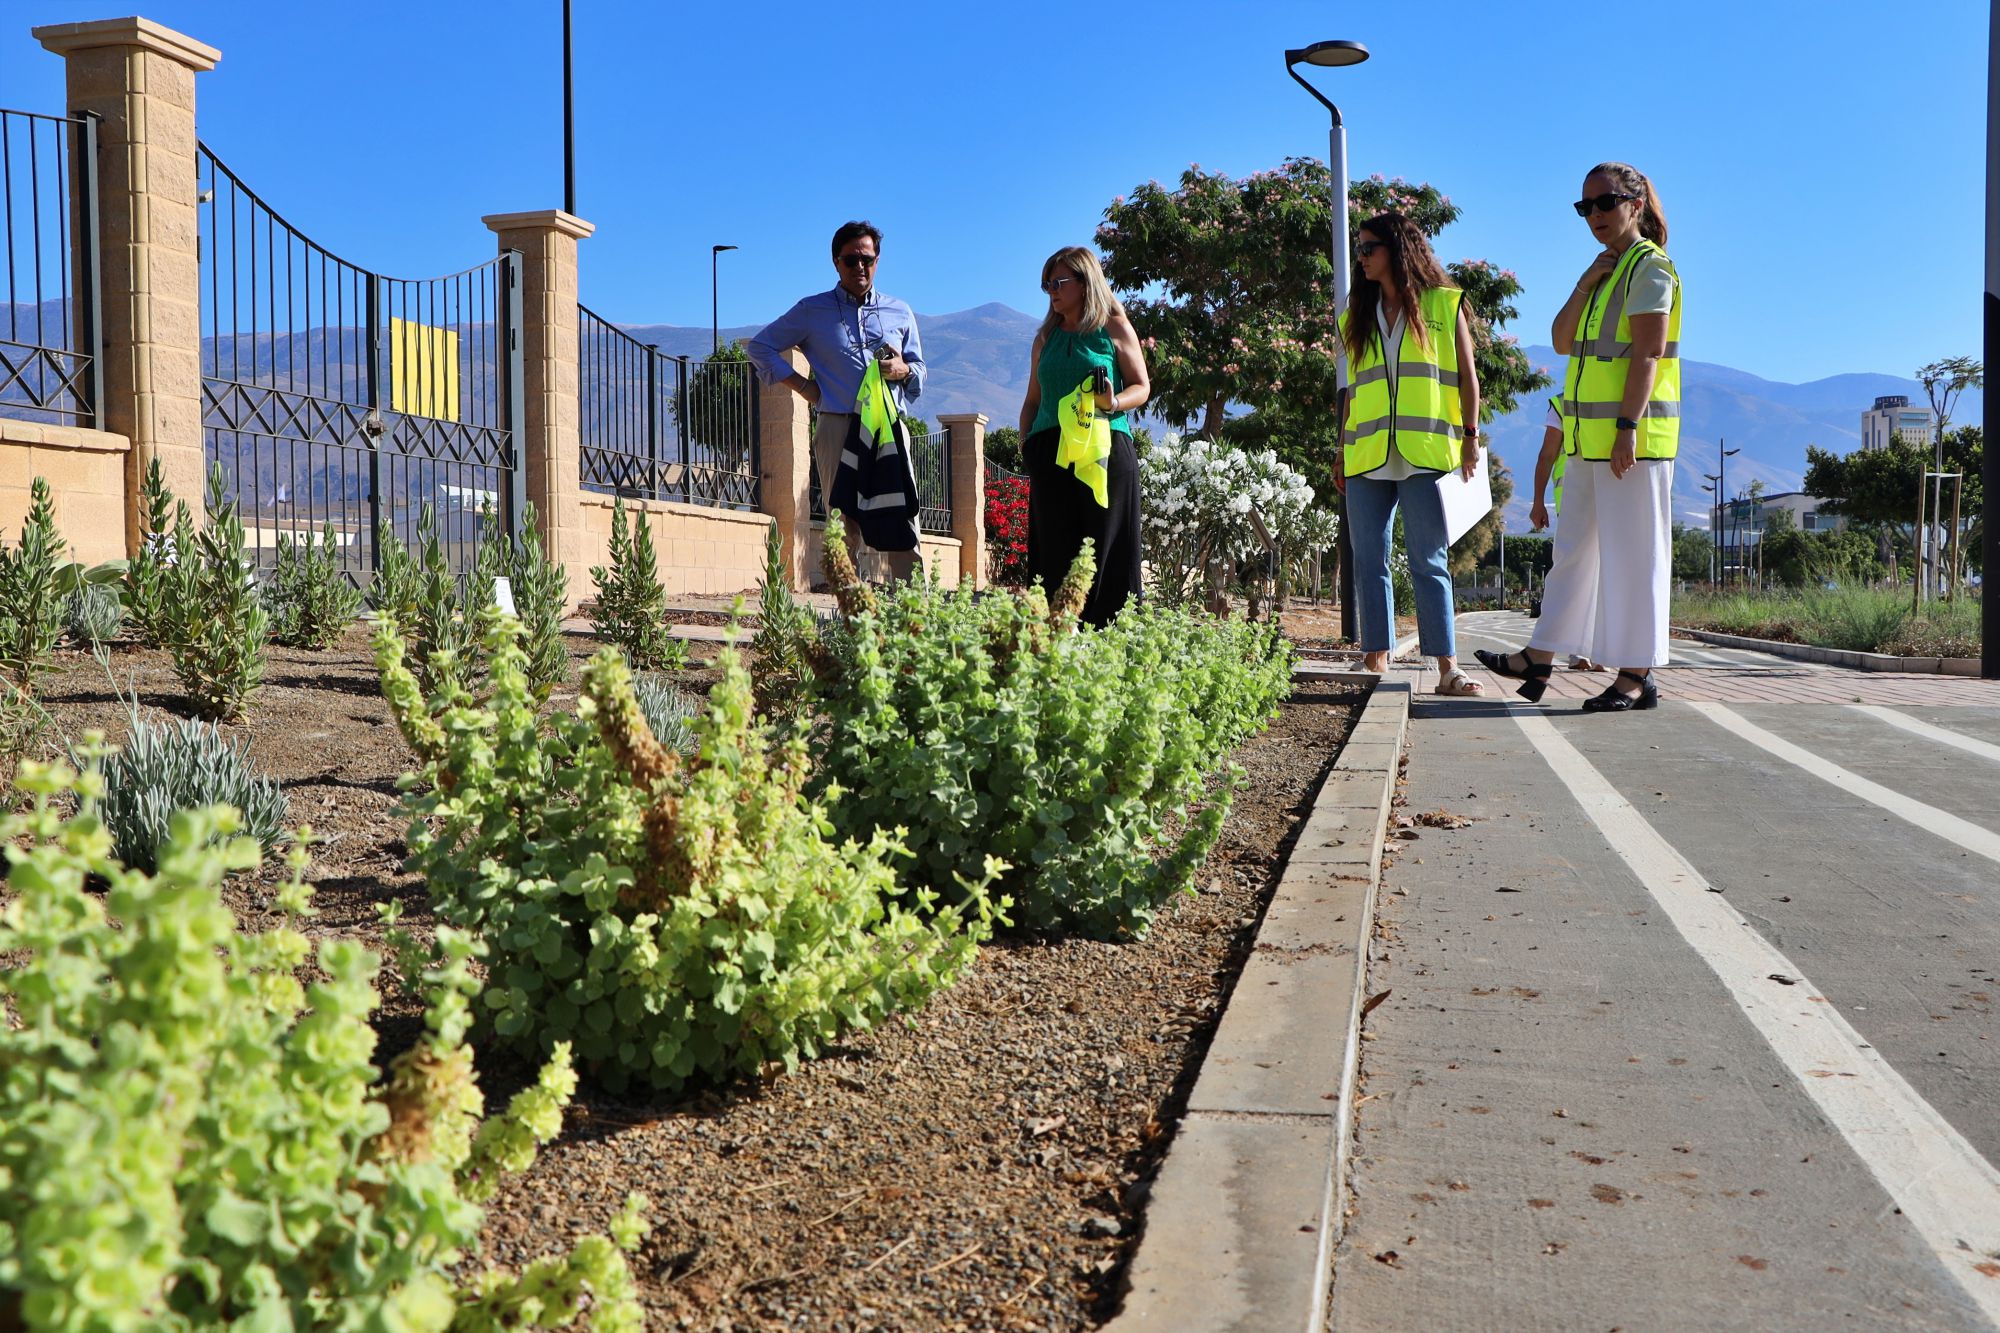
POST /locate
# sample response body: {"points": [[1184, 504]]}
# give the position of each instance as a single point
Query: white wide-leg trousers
{"points": [[1607, 593]]}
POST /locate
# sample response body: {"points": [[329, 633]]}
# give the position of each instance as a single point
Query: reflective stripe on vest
{"points": [[1423, 422], [1601, 358]]}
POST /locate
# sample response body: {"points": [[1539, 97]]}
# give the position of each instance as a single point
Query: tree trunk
{"points": [[1211, 420]]}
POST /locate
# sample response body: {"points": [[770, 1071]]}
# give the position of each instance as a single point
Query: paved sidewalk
{"points": [[1692, 1026]]}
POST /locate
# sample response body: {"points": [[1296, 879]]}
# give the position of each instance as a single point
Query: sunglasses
{"points": [[858, 261], [1367, 248], [1603, 203], [1054, 285]]}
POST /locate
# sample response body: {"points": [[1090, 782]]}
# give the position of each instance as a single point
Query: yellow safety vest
{"points": [[1594, 385], [1562, 462], [1424, 421], [876, 407], [1084, 445]]}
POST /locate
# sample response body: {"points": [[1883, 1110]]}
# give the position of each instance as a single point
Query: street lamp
{"points": [[1721, 480], [569, 119], [714, 308], [1336, 55], [1714, 488]]}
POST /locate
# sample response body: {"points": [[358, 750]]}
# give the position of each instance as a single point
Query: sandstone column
{"points": [[139, 78], [968, 491], [551, 446], [785, 465]]}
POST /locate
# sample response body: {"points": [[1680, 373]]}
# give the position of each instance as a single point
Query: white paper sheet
{"points": [[1466, 502]]}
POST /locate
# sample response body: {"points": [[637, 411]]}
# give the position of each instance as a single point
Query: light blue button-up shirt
{"points": [[839, 336]]}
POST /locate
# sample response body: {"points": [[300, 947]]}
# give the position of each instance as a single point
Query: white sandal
{"points": [[1458, 685]]}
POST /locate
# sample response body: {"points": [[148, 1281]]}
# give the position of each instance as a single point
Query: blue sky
{"points": [[1820, 164]]}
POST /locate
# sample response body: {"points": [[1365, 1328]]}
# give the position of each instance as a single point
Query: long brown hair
{"points": [[1416, 270], [1631, 180]]}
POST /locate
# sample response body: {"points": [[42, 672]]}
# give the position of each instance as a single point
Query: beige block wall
{"points": [[702, 552], [941, 557], [85, 470]]}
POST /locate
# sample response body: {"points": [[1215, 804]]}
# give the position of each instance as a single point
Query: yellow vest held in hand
{"points": [[1562, 462], [1600, 359], [876, 407], [1085, 443], [1421, 419]]}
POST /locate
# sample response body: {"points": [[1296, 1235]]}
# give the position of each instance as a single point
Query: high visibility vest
{"points": [[1424, 422], [1562, 462], [876, 407], [1084, 446], [1594, 385]]}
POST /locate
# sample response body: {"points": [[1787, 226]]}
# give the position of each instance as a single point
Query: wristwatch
{"points": [[1626, 423]]}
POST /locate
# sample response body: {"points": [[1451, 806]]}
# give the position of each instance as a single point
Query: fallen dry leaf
{"points": [[1607, 1194], [1753, 1263]]}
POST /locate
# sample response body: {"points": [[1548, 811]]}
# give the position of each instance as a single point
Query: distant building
{"points": [[1745, 519], [1893, 415]]}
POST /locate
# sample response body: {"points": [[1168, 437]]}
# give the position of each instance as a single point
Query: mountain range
{"points": [[978, 362]]}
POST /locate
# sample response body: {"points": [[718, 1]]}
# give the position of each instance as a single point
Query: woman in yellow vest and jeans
{"points": [[1607, 592], [1412, 390]]}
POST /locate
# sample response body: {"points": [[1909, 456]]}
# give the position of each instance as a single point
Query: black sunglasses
{"points": [[1367, 248], [1603, 203], [858, 261]]}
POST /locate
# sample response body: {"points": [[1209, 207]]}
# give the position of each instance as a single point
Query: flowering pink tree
{"points": [[1230, 284]]}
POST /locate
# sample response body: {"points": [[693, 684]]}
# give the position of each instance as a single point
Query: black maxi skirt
{"points": [[1062, 512]]}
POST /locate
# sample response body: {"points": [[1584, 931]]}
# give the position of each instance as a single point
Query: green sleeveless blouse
{"points": [[1067, 358]]}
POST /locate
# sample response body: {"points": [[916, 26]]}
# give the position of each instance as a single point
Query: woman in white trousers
{"points": [[1607, 592]]}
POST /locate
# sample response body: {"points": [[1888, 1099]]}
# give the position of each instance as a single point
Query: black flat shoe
{"points": [[1615, 700]]}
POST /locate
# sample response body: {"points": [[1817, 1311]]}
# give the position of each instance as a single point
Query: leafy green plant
{"points": [[145, 584], [541, 595], [192, 1139], [215, 623], [31, 600], [93, 614], [1094, 763], [397, 578], [670, 712], [787, 647], [310, 600], [674, 918], [164, 767], [631, 600]]}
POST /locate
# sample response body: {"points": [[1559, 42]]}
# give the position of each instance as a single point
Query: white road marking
{"points": [[1947, 1191], [1965, 833], [1984, 749]]}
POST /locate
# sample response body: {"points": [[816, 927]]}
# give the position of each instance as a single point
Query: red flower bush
{"points": [[1007, 529]]}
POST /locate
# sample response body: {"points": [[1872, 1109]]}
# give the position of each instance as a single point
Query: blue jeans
{"points": [[1371, 505]]}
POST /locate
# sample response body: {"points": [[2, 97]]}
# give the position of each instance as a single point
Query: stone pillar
{"points": [[551, 443], [139, 78], [784, 445], [968, 491]]}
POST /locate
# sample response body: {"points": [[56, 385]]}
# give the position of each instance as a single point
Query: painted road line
{"points": [[1947, 1191], [1916, 727], [1929, 818]]}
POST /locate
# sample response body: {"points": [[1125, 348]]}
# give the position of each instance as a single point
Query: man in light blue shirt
{"points": [[840, 332]]}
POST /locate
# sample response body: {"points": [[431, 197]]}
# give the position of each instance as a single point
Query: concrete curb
{"points": [[1246, 1211], [1840, 657]]}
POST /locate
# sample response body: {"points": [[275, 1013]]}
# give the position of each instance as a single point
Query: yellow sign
{"points": [[423, 370]]}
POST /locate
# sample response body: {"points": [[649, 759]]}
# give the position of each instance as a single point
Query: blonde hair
{"points": [[1099, 305]]}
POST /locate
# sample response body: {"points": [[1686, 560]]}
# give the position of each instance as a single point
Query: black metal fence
{"points": [[334, 394], [662, 427], [50, 325], [930, 459]]}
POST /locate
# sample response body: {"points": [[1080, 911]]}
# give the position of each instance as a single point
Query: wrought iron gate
{"points": [[332, 394]]}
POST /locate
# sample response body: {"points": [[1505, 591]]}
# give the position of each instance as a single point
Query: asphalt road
{"points": [[1692, 1026]]}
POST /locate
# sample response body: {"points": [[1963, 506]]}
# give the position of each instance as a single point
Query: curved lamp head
{"points": [[718, 249], [1328, 55]]}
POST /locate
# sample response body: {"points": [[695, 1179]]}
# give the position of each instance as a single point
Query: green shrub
{"points": [[215, 623], [176, 764], [632, 602], [31, 598], [145, 586], [787, 647], [541, 595], [93, 614], [397, 578], [310, 600], [670, 712], [192, 1139], [673, 918], [983, 726]]}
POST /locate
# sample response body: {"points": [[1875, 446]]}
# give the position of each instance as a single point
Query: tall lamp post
{"points": [[1989, 613], [714, 301], [1722, 493], [1336, 55], [1713, 486], [569, 120]]}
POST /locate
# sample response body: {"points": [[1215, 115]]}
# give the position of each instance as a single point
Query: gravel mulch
{"points": [[983, 1165]]}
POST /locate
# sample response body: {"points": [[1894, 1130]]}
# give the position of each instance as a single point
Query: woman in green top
{"points": [[1087, 334]]}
